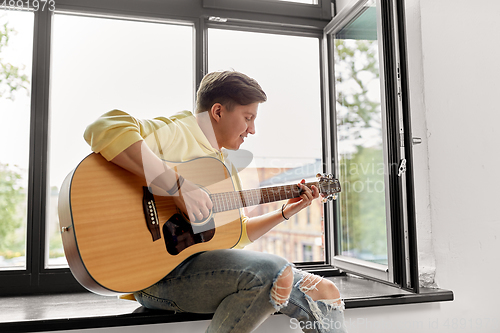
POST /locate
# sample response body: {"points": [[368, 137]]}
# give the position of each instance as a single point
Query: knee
{"points": [[282, 287], [319, 288], [328, 290]]}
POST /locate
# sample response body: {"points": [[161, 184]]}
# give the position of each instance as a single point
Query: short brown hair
{"points": [[228, 88]]}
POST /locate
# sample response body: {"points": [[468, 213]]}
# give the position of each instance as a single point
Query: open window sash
{"points": [[373, 229]]}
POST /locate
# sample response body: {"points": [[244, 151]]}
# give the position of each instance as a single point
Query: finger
{"points": [[204, 212], [302, 187], [192, 217], [309, 197], [209, 204], [306, 190], [303, 197], [192, 212], [306, 198], [315, 192]]}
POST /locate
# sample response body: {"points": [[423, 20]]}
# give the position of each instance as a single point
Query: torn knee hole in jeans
{"points": [[282, 287], [325, 304], [309, 283]]}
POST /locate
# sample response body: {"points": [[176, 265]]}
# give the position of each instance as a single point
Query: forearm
{"points": [[260, 225], [141, 161]]}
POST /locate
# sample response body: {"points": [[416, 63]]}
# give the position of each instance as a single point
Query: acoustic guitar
{"points": [[119, 237]]}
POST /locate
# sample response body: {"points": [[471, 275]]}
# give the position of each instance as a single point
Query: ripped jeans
{"points": [[237, 287]]}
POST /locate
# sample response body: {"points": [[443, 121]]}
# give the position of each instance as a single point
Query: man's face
{"points": [[235, 125]]}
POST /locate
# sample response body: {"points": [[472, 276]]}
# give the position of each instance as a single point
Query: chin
{"points": [[234, 147]]}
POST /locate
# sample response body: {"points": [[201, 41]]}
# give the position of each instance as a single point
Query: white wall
{"points": [[454, 77], [461, 72], [454, 80], [454, 57]]}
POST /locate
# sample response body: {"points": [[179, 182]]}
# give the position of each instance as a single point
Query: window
{"points": [[84, 58], [16, 36], [374, 216], [314, 9], [95, 69], [307, 252], [287, 146], [360, 140]]}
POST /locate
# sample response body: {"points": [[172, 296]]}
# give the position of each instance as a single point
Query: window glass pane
{"points": [[287, 145], [360, 140], [16, 48], [100, 64]]}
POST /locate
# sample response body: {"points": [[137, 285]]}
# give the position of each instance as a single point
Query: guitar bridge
{"points": [[150, 214]]}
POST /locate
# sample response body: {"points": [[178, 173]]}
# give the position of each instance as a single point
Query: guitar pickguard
{"points": [[179, 233]]}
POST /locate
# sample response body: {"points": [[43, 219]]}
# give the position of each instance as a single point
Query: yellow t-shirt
{"points": [[177, 138]]}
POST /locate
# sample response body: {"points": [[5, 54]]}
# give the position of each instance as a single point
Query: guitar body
{"points": [[111, 245]]}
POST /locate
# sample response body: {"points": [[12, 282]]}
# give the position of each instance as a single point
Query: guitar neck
{"points": [[239, 199]]}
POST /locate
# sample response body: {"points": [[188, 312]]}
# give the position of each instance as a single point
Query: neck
{"points": [[205, 122], [239, 199]]}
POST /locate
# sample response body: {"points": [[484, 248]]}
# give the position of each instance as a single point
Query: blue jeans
{"points": [[235, 285]]}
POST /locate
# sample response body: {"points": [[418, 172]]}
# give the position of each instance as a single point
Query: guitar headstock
{"points": [[328, 186]]}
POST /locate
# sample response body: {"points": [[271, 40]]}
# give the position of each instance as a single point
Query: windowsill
{"points": [[85, 310]]}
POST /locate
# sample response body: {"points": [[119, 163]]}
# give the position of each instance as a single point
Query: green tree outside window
{"points": [[12, 193]]}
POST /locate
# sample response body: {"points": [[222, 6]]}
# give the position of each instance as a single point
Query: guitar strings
{"points": [[238, 199]]}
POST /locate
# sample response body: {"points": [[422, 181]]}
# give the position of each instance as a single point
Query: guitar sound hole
{"points": [[179, 233]]}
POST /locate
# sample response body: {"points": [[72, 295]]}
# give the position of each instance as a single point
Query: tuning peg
{"points": [[329, 198]]}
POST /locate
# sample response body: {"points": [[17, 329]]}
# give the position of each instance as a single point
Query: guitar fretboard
{"points": [[238, 199]]}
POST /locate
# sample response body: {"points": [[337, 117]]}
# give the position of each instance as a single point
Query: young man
{"points": [[241, 288]]}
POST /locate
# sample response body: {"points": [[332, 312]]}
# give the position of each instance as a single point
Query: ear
{"points": [[216, 111]]}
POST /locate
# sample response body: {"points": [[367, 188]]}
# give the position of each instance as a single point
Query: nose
{"points": [[251, 128]]}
